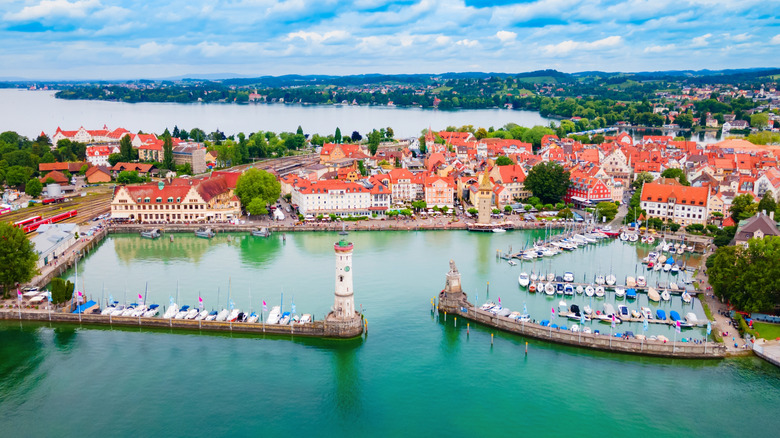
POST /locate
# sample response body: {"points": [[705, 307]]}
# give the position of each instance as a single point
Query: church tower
{"points": [[344, 307], [484, 199]]}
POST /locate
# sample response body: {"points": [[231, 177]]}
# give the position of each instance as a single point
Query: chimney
{"points": [[772, 215]]}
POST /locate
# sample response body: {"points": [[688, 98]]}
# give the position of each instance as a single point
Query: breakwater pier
{"points": [[454, 301]]}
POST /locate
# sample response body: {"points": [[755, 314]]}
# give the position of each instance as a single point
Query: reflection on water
{"points": [[20, 357], [348, 396]]}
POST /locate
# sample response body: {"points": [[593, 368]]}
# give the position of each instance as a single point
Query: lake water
{"points": [[413, 374], [30, 112]]}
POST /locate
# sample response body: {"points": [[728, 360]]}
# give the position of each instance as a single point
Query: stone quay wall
{"points": [[453, 305], [321, 329]]}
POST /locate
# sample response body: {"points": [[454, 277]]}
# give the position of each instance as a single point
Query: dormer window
{"points": [[146, 200], [170, 199], [158, 200]]}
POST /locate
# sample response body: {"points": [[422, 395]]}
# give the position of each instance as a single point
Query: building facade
{"points": [[675, 202]]}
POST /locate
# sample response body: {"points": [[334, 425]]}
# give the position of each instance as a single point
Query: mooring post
{"points": [[526, 348], [491, 339], [456, 321], [467, 328]]}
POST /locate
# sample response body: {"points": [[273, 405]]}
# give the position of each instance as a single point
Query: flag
{"points": [[48, 296], [582, 318], [265, 306], [499, 300], [79, 298], [293, 307], [525, 309], [140, 299], [677, 327], [644, 324], [552, 309], [709, 328], [232, 305], [110, 298], [19, 294], [171, 300], [613, 320]]}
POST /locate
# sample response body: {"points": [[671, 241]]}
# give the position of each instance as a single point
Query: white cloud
{"points": [[775, 39], [701, 41], [569, 46], [506, 36], [468, 43], [333, 36], [660, 49], [741, 37], [54, 8]]}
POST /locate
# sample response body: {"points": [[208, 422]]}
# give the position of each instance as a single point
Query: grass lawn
{"points": [[766, 330]]}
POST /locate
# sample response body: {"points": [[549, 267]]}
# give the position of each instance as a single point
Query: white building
{"points": [[332, 197], [681, 204], [52, 241]]}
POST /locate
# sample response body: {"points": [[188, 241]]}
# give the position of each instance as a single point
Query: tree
{"points": [[373, 142], [33, 187], [742, 207], [61, 291], [759, 120], [337, 136], [504, 161], [83, 170], [17, 257], [677, 174], [748, 278], [641, 179], [472, 211], [481, 133], [15, 176], [507, 209], [565, 213], [256, 207], [548, 181], [356, 137], [389, 133], [419, 205], [128, 177], [606, 210], [767, 203], [114, 158], [168, 162], [299, 131], [125, 149], [256, 183]]}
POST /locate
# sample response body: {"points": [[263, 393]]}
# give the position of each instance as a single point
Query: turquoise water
{"points": [[412, 375]]}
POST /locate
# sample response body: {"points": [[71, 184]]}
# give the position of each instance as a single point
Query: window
{"points": [[170, 199], [158, 200], [146, 200]]}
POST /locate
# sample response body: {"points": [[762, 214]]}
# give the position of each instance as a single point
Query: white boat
{"points": [[108, 310], [534, 277], [662, 258], [635, 314], [650, 240], [233, 315], [205, 233], [665, 295], [487, 306], [182, 312], [568, 277], [118, 309], [202, 314], [686, 297], [523, 279], [151, 234], [153, 310], [579, 289], [589, 291], [550, 276], [624, 237], [499, 230], [212, 316], [611, 279], [691, 318], [305, 318], [192, 314], [599, 291], [681, 250], [562, 304], [139, 311], [575, 328], [586, 330], [623, 311], [285, 319], [675, 269], [549, 289], [171, 311], [641, 281], [667, 267], [129, 310], [222, 315], [587, 310], [511, 262], [274, 315], [620, 292], [674, 287], [262, 232], [630, 282], [633, 237], [652, 295], [253, 318], [646, 312], [568, 289], [657, 267], [600, 279]]}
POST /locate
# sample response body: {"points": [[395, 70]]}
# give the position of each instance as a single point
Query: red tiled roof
{"points": [[655, 192]]}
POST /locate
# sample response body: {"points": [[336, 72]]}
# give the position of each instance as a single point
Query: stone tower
{"points": [[484, 199], [345, 301]]}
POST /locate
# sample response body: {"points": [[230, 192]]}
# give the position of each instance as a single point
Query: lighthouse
{"points": [[344, 307]]}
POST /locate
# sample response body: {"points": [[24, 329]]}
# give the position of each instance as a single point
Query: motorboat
{"points": [[686, 297], [587, 310], [150, 234], [495, 309], [589, 291], [579, 289], [600, 279], [222, 315], [262, 232], [624, 236], [171, 311], [653, 295], [182, 312], [630, 294], [599, 291], [532, 287], [633, 237], [305, 319], [568, 289], [675, 269], [611, 279], [665, 295], [202, 315], [635, 314], [586, 330], [620, 292], [212, 316], [641, 281], [110, 308], [630, 282], [523, 279], [660, 315], [511, 262], [646, 312], [487, 306], [503, 312], [192, 313], [152, 311], [233, 315], [690, 317], [549, 289], [285, 318], [568, 277], [205, 233], [575, 328], [253, 318], [623, 311], [559, 288]]}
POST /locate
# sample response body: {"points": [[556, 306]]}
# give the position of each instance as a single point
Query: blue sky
{"points": [[110, 39]]}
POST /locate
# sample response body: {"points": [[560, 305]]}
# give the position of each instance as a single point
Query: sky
{"points": [[130, 39]]}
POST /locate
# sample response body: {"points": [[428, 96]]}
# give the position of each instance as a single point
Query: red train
{"points": [[55, 200], [28, 221], [49, 220]]}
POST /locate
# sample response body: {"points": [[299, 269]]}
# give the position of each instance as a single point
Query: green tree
{"points": [[641, 179], [256, 183], [15, 176], [503, 160], [33, 187], [419, 205], [565, 213], [17, 257], [606, 210], [83, 170], [472, 211], [337, 136], [168, 162], [759, 120], [114, 158], [677, 174], [389, 133], [125, 149], [61, 291], [481, 133], [256, 207], [547, 181], [128, 177], [767, 203], [373, 142], [742, 207], [507, 209], [299, 131], [748, 278]]}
